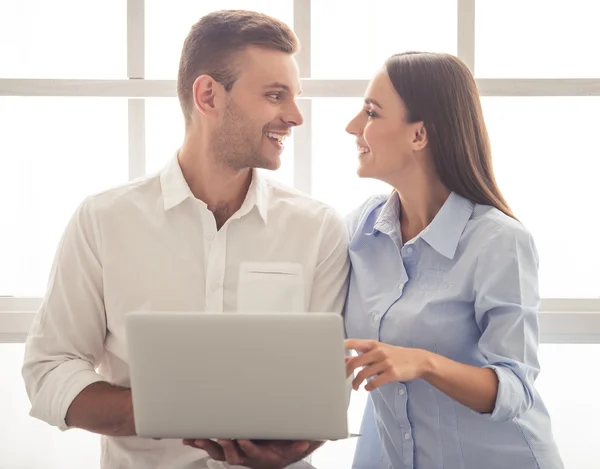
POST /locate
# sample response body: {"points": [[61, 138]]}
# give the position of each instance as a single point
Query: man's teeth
{"points": [[279, 137], [362, 149]]}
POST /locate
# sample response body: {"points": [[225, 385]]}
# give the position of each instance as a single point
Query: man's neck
{"points": [[221, 188]]}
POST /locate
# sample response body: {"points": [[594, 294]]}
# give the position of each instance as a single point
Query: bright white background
{"points": [[536, 64]]}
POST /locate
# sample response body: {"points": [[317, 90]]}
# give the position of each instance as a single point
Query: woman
{"points": [[443, 298]]}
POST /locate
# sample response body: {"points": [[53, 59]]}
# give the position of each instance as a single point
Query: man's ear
{"points": [[206, 92]]}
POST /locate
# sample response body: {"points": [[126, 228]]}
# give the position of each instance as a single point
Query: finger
{"points": [[251, 449], [365, 359], [359, 345], [368, 372], [379, 380], [214, 450], [280, 447], [233, 453], [300, 447]]}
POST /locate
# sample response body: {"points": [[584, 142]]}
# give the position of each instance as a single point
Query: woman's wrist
{"points": [[428, 365]]}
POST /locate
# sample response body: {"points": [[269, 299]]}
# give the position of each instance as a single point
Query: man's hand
{"points": [[263, 454]]}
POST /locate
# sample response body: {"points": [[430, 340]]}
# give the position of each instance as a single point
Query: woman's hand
{"points": [[384, 363], [473, 387]]}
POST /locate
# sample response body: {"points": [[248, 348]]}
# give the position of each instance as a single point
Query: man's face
{"points": [[259, 111]]}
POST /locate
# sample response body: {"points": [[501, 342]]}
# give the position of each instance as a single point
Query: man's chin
{"points": [[269, 164]]}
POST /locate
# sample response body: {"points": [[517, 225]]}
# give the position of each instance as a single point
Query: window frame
{"points": [[575, 320]]}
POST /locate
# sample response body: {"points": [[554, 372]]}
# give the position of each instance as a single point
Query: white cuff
{"points": [[61, 386]]}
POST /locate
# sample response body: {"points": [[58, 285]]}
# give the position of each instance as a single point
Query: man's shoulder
{"points": [[288, 201], [125, 196]]}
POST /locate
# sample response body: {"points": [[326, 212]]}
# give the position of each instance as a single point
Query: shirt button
{"points": [[407, 436], [216, 286], [409, 249], [210, 237], [401, 391]]}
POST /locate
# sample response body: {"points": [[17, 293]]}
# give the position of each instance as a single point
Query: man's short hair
{"points": [[214, 43]]}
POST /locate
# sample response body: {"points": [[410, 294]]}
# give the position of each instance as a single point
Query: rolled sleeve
{"points": [[506, 305], [66, 339], [61, 386]]}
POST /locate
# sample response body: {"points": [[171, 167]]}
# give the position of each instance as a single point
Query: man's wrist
{"points": [[127, 425]]}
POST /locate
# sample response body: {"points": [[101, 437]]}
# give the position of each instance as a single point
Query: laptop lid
{"points": [[238, 375]]}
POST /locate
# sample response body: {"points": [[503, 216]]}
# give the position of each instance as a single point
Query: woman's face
{"points": [[387, 144]]}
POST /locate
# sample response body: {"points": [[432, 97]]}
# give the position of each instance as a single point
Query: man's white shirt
{"points": [[150, 245]]}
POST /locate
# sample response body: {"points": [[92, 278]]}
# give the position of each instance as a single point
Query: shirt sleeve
{"points": [[66, 339], [330, 283], [506, 305]]}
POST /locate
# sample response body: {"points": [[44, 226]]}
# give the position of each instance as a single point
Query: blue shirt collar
{"points": [[442, 234]]}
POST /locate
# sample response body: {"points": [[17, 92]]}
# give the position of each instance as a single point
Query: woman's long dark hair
{"points": [[440, 91]]}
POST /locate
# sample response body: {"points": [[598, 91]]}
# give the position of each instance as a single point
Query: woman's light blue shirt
{"points": [[465, 288]]}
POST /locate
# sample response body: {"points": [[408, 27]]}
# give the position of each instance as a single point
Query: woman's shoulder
{"points": [[496, 230], [357, 217]]}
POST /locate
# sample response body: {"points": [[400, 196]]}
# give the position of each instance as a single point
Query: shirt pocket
{"points": [[271, 287]]}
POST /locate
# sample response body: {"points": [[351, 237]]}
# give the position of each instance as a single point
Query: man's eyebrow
{"points": [[372, 101], [281, 86]]}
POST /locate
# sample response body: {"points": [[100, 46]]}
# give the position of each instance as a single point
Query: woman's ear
{"points": [[419, 137]]}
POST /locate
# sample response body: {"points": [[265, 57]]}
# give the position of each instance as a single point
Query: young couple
{"points": [[437, 280]]}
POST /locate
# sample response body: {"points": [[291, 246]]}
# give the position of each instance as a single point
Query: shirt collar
{"points": [[388, 220], [258, 196], [444, 232], [175, 190]]}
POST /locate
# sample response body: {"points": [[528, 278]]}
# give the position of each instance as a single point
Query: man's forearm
{"points": [[103, 408]]}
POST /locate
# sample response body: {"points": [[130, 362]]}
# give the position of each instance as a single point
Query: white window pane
{"points": [[335, 159], [353, 42], [547, 159], [165, 129], [28, 442], [55, 151], [568, 384], [168, 24], [537, 39], [339, 454], [63, 39]]}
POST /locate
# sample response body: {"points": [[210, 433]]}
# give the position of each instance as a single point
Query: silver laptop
{"points": [[238, 375]]}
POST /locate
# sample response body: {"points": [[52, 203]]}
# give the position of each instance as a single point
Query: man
{"points": [[209, 233]]}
